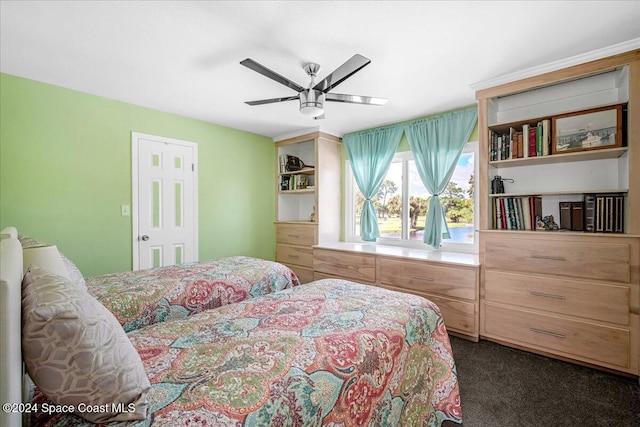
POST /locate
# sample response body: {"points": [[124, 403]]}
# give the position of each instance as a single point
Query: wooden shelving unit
{"points": [[566, 294], [311, 215]]}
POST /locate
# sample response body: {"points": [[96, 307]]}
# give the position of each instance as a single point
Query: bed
{"points": [[144, 297], [331, 352]]}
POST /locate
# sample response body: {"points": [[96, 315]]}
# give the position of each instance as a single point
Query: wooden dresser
{"points": [[451, 280], [294, 247], [307, 209], [573, 296]]}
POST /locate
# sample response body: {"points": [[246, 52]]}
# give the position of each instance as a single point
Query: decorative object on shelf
{"points": [[549, 223], [302, 182], [593, 129], [312, 217], [497, 184], [289, 163], [294, 164]]}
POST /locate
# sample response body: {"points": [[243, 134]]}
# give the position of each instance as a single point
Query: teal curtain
{"points": [[436, 145], [371, 153]]}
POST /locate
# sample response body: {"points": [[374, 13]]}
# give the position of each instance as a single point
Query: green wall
{"points": [[65, 170]]}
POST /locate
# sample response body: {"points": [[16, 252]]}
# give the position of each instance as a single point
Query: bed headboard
{"points": [[9, 232], [11, 389]]}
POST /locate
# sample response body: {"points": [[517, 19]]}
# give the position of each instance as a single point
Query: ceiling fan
{"points": [[313, 97]]}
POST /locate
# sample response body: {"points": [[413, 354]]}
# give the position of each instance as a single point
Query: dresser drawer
{"points": [[459, 316], [455, 282], [298, 255], [305, 275], [599, 343], [577, 258], [296, 234], [606, 302], [319, 276], [342, 264]]}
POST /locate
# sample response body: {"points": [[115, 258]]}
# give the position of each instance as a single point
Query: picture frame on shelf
{"points": [[593, 129]]}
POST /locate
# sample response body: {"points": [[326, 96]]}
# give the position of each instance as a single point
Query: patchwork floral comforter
{"points": [[145, 297], [331, 353]]}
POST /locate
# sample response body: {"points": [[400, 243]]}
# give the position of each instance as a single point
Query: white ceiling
{"points": [[183, 57]]}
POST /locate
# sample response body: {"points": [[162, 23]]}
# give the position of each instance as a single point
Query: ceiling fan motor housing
{"points": [[312, 102]]}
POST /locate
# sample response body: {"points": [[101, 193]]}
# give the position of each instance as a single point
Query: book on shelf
{"points": [[589, 212], [604, 213], [525, 145], [533, 141], [546, 137], [516, 213], [572, 216], [284, 182]]}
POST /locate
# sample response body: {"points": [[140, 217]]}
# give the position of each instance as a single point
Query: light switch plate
{"points": [[125, 210]]}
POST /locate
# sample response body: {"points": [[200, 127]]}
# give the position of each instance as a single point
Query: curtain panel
{"points": [[371, 153], [436, 145]]}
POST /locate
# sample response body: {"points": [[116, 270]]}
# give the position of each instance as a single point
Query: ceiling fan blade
{"points": [[250, 63], [343, 72], [355, 99], [272, 100]]}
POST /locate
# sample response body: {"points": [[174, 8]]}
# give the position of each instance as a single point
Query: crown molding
{"points": [[558, 65], [304, 132]]}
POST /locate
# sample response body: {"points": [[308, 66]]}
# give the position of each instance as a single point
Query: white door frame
{"points": [[135, 138]]}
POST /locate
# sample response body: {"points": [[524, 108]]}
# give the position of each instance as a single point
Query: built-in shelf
{"points": [[558, 193], [302, 190], [606, 153], [306, 171]]}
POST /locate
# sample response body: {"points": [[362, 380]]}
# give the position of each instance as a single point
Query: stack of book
{"points": [[516, 213], [529, 141], [293, 182]]}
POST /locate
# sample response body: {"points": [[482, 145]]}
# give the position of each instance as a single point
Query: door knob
{"points": [[145, 237]]}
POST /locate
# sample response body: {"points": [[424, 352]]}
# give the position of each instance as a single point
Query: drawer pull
{"points": [[293, 256], [553, 258], [541, 294], [551, 334], [427, 279], [342, 265], [295, 236]]}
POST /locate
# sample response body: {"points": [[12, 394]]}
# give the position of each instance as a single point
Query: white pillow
{"points": [[77, 353]]}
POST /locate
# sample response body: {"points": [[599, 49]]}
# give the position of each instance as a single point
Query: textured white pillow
{"points": [[77, 353], [74, 273]]}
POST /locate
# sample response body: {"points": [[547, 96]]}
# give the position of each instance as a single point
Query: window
{"points": [[402, 201]]}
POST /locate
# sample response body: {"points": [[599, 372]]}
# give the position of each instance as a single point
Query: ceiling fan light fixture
{"points": [[312, 102], [313, 97]]}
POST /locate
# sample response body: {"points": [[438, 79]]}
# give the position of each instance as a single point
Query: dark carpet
{"points": [[502, 386]]}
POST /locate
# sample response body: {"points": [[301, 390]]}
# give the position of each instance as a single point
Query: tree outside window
{"points": [[402, 189]]}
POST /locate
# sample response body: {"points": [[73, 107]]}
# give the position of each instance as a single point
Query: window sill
{"points": [[432, 255]]}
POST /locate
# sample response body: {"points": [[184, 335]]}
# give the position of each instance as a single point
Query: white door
{"points": [[165, 225]]}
